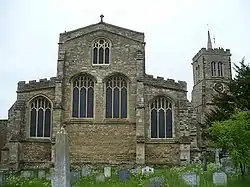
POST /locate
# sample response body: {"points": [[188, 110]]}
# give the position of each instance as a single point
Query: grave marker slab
{"points": [[219, 178], [41, 174], [27, 174], [191, 179], [123, 175], [100, 177], [107, 172], [157, 180], [2, 178], [147, 170], [86, 171], [74, 176]]}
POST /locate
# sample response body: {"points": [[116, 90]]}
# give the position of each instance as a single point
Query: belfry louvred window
{"points": [[161, 118], [40, 117], [101, 52], [116, 97], [83, 97]]}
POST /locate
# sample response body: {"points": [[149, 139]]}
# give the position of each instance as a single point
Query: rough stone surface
{"points": [[90, 140]]}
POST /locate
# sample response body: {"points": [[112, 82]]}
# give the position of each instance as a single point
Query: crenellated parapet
{"points": [[169, 83], [215, 51], [34, 85]]}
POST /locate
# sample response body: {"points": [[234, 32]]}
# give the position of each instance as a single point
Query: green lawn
{"points": [[172, 180]]}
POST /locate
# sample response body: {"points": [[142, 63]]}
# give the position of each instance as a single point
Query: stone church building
{"points": [[113, 111]]}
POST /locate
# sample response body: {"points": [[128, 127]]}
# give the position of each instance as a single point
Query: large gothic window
{"points": [[213, 68], [220, 73], [116, 97], [83, 97], [161, 118], [101, 52], [40, 118]]}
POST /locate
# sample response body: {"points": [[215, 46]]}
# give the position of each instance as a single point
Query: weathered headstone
{"points": [[86, 171], [219, 178], [107, 172], [157, 180], [74, 176], [123, 175], [2, 178], [191, 179], [41, 174], [217, 157], [147, 170], [61, 175], [100, 177], [27, 174]]}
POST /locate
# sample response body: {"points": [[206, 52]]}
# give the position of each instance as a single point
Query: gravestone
{"points": [[100, 177], [191, 179], [61, 176], [107, 172], [86, 171], [27, 174], [147, 170], [2, 178], [157, 180], [123, 175], [41, 174], [74, 176], [219, 178]]}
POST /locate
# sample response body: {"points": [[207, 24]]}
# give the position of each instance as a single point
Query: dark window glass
{"points": [[116, 103], [95, 56], [83, 102], [75, 101], [90, 103], [47, 123], [101, 55], [107, 56], [161, 123], [124, 103], [40, 123], [153, 123], [108, 103], [33, 122], [169, 124]]}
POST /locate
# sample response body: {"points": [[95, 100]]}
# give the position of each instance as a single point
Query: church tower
{"points": [[211, 70]]}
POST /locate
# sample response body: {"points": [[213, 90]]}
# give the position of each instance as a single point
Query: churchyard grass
{"points": [[172, 179]]}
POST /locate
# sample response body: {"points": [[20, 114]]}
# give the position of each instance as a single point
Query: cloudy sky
{"points": [[175, 30]]}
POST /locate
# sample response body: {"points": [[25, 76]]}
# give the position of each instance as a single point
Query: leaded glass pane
{"points": [[161, 123], [169, 124], [116, 103], [124, 103], [153, 123], [75, 101], [90, 103], [95, 56], [33, 122], [108, 103], [47, 123], [101, 55], [40, 123], [83, 102], [107, 56]]}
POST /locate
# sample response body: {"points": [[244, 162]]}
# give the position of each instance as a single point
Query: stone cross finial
{"points": [[101, 16]]}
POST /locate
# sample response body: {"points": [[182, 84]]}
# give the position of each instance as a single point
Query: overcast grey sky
{"points": [[174, 32]]}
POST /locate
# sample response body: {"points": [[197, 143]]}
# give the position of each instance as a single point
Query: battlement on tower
{"points": [[169, 83], [34, 85], [215, 51]]}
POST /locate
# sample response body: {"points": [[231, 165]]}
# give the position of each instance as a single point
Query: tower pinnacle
{"points": [[209, 43]]}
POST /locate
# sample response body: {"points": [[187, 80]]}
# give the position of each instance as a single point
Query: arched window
{"points": [[116, 97], [220, 72], [101, 52], [213, 68], [83, 97], [40, 117], [161, 116]]}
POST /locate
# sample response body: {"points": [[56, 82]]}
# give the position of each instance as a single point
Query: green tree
{"points": [[234, 135]]}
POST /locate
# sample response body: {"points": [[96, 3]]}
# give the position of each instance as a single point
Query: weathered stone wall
{"points": [[3, 132]]}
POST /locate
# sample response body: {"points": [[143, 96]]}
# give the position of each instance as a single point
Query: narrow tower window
{"points": [[213, 68], [220, 70], [101, 52]]}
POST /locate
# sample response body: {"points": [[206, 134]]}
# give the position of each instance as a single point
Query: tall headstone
{"points": [[217, 158], [61, 175], [107, 171], [2, 178]]}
